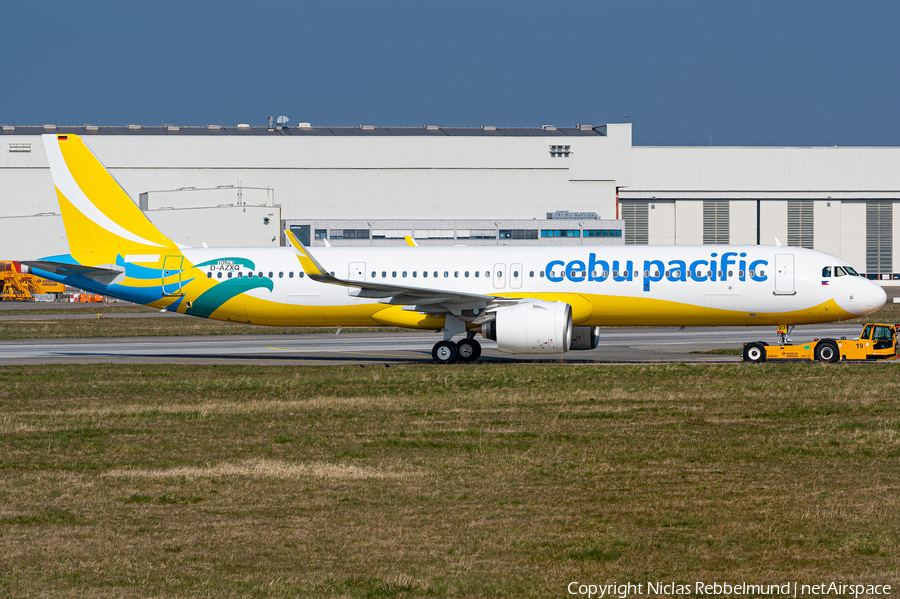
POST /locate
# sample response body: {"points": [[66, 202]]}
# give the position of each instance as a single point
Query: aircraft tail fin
{"points": [[99, 216]]}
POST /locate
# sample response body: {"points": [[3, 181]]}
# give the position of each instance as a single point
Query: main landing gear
{"points": [[464, 350]]}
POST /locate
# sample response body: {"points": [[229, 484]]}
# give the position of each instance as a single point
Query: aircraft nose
{"points": [[875, 297]]}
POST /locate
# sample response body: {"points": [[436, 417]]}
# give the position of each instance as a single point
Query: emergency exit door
{"points": [[784, 274], [171, 275], [357, 272]]}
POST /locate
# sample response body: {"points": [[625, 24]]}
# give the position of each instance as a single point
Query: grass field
{"points": [[420, 481]]}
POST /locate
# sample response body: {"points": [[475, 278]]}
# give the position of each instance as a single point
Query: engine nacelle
{"points": [[585, 337], [531, 328]]}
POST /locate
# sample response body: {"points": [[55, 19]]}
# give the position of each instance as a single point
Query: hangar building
{"points": [[370, 185]]}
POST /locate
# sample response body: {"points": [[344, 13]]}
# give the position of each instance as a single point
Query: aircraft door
{"points": [[357, 273], [515, 276], [784, 274], [171, 275], [499, 276]]}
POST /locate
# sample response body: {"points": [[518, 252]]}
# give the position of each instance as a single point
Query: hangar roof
{"points": [[366, 131]]}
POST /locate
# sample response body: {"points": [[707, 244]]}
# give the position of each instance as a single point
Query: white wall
{"points": [[742, 222], [895, 233], [853, 234], [689, 222], [661, 223], [327, 176], [827, 226], [773, 222], [765, 171]]}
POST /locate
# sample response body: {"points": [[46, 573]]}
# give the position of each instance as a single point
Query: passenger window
{"points": [[741, 273], [384, 274], [826, 272], [531, 274], [260, 274], [300, 274], [515, 274], [730, 273], [240, 275], [435, 274], [270, 274], [605, 273], [219, 275], [250, 274], [209, 275], [404, 274], [374, 274], [720, 274], [541, 273], [394, 274], [281, 275], [414, 274], [446, 274], [615, 273], [291, 275], [487, 274], [424, 274], [646, 273], [229, 275], [709, 273], [477, 273], [467, 274], [667, 273], [839, 272], [456, 273], [752, 274]]}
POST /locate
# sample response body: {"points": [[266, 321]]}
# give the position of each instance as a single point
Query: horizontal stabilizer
{"points": [[104, 274]]}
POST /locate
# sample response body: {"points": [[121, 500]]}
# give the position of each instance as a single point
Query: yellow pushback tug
{"points": [[877, 341]]}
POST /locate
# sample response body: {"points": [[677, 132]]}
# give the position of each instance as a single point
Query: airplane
{"points": [[528, 299]]}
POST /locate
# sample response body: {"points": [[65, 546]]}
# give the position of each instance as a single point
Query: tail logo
{"points": [[67, 186]]}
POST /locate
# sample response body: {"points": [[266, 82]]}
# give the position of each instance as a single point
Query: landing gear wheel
{"points": [[444, 352], [826, 352], [755, 352], [469, 350]]}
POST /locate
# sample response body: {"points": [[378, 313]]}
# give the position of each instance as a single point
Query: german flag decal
{"points": [[62, 137]]}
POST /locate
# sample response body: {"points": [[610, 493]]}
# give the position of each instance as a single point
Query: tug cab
{"points": [[877, 341]]}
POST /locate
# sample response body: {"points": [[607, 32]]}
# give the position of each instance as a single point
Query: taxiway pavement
{"points": [[617, 346]]}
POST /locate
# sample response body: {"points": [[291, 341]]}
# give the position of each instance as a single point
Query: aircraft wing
{"points": [[424, 300]]}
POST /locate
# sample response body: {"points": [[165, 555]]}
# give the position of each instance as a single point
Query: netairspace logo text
{"points": [[724, 589]]}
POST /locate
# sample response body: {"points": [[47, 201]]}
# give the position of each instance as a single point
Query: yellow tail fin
{"points": [[99, 216]]}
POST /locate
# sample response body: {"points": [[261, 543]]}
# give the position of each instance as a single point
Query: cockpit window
{"points": [[839, 272], [826, 272], [851, 271]]}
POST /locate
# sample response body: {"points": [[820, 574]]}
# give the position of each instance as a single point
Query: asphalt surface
{"points": [[617, 346]]}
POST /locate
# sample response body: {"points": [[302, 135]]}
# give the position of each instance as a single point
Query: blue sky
{"points": [[751, 73]]}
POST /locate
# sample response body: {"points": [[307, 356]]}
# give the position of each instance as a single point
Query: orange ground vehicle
{"points": [[19, 286], [877, 341]]}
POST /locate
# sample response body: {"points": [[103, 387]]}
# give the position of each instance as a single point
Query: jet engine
{"points": [[585, 337], [531, 328]]}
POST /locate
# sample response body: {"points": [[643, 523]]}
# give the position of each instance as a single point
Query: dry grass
{"points": [[479, 481]]}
